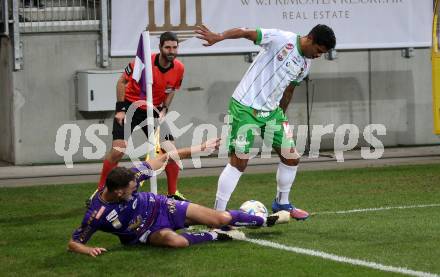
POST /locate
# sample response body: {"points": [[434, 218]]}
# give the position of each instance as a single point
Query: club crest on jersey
{"points": [[284, 53], [280, 57]]}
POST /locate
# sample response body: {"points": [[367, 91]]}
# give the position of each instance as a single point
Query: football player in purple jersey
{"points": [[146, 218]]}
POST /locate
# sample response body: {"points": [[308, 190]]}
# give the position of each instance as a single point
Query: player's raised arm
{"points": [[78, 247], [211, 38]]}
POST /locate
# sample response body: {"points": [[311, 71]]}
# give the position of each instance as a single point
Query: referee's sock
{"points": [[172, 171]]}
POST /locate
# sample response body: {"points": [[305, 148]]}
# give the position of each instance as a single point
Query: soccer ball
{"points": [[254, 207]]}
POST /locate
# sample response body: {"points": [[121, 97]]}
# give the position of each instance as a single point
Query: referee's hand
{"points": [[120, 116]]}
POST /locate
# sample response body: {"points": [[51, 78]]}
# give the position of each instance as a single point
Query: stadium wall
{"points": [[396, 92]]}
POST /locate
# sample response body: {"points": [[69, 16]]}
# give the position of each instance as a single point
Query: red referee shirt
{"points": [[165, 80]]}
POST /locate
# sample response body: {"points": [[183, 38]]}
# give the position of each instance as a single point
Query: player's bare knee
{"points": [[240, 165], [177, 242], [221, 219], [225, 218], [115, 155], [290, 162]]}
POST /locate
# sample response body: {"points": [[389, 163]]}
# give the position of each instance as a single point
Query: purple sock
{"points": [[240, 218], [194, 238]]}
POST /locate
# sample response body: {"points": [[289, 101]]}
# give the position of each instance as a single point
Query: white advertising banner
{"points": [[358, 24]]}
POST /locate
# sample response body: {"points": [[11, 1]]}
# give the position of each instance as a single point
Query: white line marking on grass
{"points": [[378, 209], [341, 259]]}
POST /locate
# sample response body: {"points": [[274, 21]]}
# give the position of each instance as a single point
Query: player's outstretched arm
{"points": [[185, 153], [84, 249], [211, 38]]}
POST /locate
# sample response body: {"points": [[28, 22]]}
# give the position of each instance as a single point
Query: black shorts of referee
{"points": [[139, 116]]}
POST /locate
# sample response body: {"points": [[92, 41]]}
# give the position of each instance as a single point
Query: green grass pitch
{"points": [[36, 223]]}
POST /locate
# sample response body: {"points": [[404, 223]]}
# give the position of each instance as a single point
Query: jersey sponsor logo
{"points": [[296, 68], [111, 216], [289, 46]]}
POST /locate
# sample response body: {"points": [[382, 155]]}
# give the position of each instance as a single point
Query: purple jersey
{"points": [[129, 220]]}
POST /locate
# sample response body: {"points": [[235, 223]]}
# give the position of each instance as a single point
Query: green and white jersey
{"points": [[278, 64]]}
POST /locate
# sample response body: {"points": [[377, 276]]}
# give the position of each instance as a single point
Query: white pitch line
{"points": [[342, 259], [378, 209]]}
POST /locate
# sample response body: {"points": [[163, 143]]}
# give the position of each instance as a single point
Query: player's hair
{"points": [[323, 35], [118, 178], [168, 36]]}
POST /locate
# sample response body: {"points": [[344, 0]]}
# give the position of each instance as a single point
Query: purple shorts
{"points": [[171, 215]]}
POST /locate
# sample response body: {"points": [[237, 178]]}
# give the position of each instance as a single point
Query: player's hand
{"points": [[162, 115], [211, 144], [120, 116], [96, 251], [204, 33]]}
